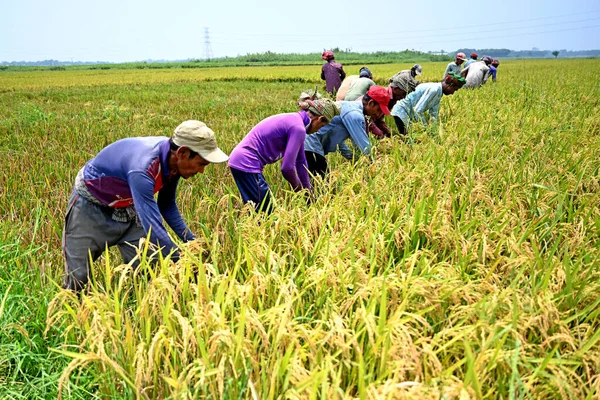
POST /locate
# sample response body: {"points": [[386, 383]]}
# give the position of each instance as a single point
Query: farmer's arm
{"points": [[434, 110], [426, 102], [486, 75], [142, 190], [290, 156], [345, 151], [355, 123], [302, 169], [170, 212]]}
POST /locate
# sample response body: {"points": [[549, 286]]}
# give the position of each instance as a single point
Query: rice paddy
{"points": [[462, 263]]}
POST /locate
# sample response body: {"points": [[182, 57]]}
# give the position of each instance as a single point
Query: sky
{"points": [[134, 30]]}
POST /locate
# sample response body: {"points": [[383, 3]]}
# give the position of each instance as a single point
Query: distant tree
{"points": [[555, 53]]}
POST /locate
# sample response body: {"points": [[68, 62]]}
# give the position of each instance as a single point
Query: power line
{"points": [[463, 34], [503, 36], [303, 36]]}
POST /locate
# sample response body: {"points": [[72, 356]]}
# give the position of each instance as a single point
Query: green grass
{"points": [[465, 261]]}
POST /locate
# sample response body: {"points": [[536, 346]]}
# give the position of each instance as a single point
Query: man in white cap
{"points": [[113, 199], [456, 66]]}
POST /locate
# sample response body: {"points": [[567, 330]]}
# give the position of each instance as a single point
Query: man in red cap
{"points": [[472, 59], [332, 72], [494, 69], [456, 66], [349, 124]]}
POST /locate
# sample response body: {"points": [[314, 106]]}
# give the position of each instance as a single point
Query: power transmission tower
{"points": [[208, 54]]}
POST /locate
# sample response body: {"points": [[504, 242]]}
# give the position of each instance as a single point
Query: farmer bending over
{"points": [[456, 66], [364, 72], [477, 73], [427, 97], [278, 137], [350, 124], [494, 70], [472, 59], [113, 200]]}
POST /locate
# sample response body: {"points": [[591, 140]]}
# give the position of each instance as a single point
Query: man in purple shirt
{"points": [[113, 199], [332, 72], [278, 137], [494, 69]]}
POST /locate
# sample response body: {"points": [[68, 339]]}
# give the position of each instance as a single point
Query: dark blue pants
{"points": [[253, 188]]}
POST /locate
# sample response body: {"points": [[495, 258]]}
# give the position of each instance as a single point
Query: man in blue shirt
{"points": [[113, 199], [349, 124], [494, 69], [472, 59], [456, 66], [426, 98]]}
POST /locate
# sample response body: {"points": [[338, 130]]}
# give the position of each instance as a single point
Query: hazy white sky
{"points": [[131, 30]]}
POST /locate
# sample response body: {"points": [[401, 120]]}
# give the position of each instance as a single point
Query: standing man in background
{"points": [[332, 72]]}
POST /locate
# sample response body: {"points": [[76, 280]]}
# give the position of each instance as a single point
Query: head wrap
{"points": [[404, 80], [327, 55], [323, 107], [309, 94], [495, 63], [487, 59], [417, 68], [365, 73], [454, 79], [474, 56]]}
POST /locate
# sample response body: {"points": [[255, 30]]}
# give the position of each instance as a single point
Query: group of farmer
{"points": [[476, 72], [113, 200]]}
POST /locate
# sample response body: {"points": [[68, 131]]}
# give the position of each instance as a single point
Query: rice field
{"points": [[462, 263]]}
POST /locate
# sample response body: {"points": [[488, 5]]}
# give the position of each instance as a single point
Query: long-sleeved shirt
{"points": [[492, 72], [426, 97], [358, 88], [277, 137], [129, 172], [477, 74], [333, 74], [453, 67], [349, 124]]}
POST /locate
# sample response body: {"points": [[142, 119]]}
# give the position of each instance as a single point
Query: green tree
{"points": [[555, 53]]}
